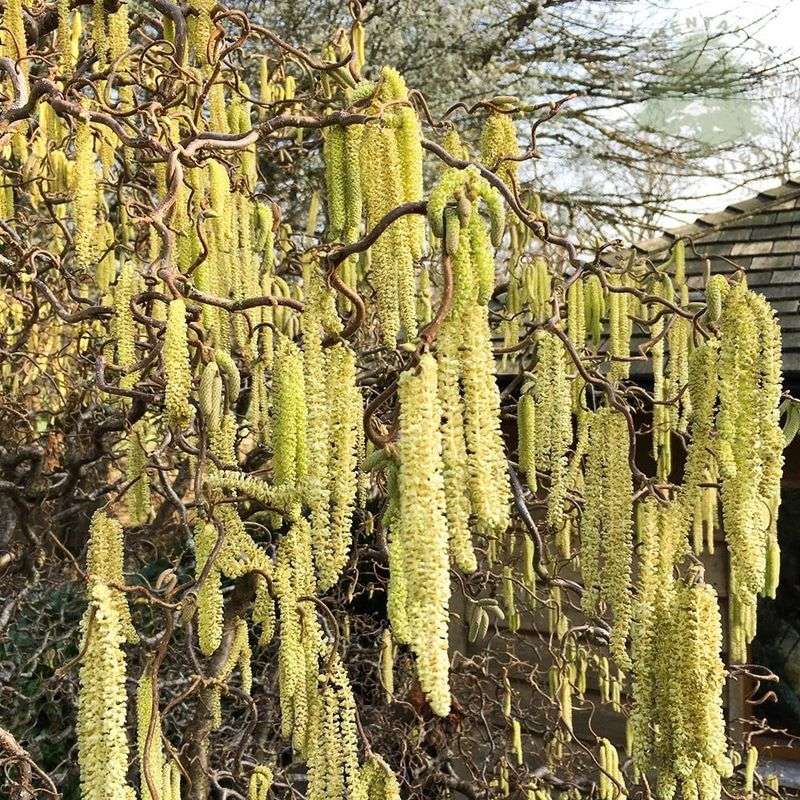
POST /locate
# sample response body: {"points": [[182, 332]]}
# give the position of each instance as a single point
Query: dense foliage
{"points": [[264, 491]]}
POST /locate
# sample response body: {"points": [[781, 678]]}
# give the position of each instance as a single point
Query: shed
{"points": [[761, 237]]}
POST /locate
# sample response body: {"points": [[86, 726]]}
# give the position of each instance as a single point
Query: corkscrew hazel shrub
{"points": [[148, 246]]}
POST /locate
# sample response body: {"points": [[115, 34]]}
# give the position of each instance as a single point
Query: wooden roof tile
{"points": [[760, 235]]}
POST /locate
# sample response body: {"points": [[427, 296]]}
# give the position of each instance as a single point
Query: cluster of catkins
{"points": [[721, 391], [448, 472], [232, 373]]}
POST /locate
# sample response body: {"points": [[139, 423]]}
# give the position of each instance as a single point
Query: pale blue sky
{"points": [[779, 30]]}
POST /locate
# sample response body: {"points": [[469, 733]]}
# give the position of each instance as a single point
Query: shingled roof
{"points": [[760, 235]]}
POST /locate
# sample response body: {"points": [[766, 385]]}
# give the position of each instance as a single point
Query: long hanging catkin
{"points": [[84, 206], [607, 524], [102, 700], [423, 530], [499, 146], [176, 366], [553, 421], [391, 259], [151, 755]]}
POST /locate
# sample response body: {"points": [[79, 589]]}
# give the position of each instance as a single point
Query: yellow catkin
{"points": [[770, 378], [104, 564], [454, 454], [482, 252], [738, 433], [333, 764], [118, 34], [177, 368], [265, 237], [353, 199], [607, 524], [620, 327], [678, 340], [151, 758], [336, 180], [259, 405], [290, 459], [662, 447], [677, 724], [346, 410], [386, 661], [14, 45], [300, 638], [749, 441], [84, 208], [716, 289], [391, 259], [316, 486], [378, 780], [124, 327], [409, 148], [200, 30], [553, 422], [576, 314], [488, 484], [498, 142], [222, 441], [102, 700], [138, 496], [210, 395], [689, 748], [397, 595], [751, 760], [260, 782], [209, 593], [100, 31], [423, 530], [595, 307], [703, 388], [244, 656], [65, 60], [526, 438]]}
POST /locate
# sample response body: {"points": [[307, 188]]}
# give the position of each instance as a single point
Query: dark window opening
{"points": [[777, 643]]}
